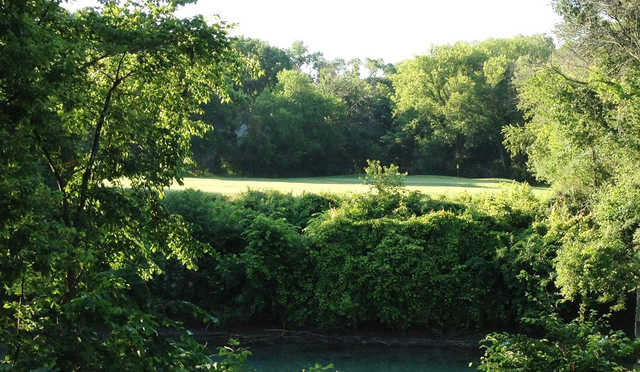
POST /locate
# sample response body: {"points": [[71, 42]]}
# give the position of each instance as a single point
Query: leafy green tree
{"points": [[263, 128], [271, 61], [378, 67], [367, 110], [566, 139], [88, 100], [456, 100], [292, 130], [218, 149], [582, 138], [303, 59]]}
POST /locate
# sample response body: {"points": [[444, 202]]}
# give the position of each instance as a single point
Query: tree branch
{"points": [[566, 77], [86, 176], [59, 180]]}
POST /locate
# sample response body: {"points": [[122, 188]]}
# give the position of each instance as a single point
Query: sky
{"points": [[393, 30]]}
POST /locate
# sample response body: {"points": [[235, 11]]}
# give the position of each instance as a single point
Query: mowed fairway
{"points": [[344, 184]]}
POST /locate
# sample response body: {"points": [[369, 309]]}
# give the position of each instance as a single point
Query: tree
{"points": [[271, 61], [582, 137], [367, 110], [457, 99], [605, 35], [218, 150], [566, 139], [330, 116], [94, 123], [303, 59], [292, 130]]}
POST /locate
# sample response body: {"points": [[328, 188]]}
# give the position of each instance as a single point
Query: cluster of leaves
{"points": [[233, 358]]}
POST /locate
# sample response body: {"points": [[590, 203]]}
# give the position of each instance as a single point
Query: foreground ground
{"points": [[344, 184]]}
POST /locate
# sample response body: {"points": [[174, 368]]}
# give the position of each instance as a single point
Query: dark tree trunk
{"points": [[637, 325]]}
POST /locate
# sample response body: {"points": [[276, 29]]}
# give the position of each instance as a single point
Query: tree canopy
{"points": [[456, 100], [442, 113], [582, 137], [88, 100]]}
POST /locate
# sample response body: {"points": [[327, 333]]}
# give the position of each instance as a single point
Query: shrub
{"points": [[384, 179], [429, 270], [255, 266], [296, 210], [393, 259], [277, 269], [213, 219], [220, 274], [580, 346]]}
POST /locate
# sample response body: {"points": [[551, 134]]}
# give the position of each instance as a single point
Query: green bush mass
{"points": [[394, 260], [572, 346]]}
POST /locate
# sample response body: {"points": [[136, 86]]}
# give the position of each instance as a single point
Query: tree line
{"points": [[299, 114]]}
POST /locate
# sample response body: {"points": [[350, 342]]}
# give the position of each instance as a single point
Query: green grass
{"points": [[344, 184]]}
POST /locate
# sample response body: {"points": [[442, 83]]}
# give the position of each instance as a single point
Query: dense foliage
{"points": [[100, 270], [438, 114], [87, 99], [288, 122], [574, 346], [582, 137], [388, 259], [452, 104]]}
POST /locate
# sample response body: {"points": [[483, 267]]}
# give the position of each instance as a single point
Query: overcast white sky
{"points": [[392, 30]]}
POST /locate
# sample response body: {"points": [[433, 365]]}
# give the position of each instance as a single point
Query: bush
{"points": [[277, 268], [384, 179], [218, 225], [580, 346], [296, 210], [393, 259], [213, 219], [434, 271], [255, 265]]}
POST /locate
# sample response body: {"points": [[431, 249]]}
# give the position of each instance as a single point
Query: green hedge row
{"points": [[394, 260]]}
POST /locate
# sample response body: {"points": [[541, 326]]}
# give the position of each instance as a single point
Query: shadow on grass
{"points": [[418, 180]]}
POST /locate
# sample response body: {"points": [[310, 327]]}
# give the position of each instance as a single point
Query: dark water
{"points": [[360, 358]]}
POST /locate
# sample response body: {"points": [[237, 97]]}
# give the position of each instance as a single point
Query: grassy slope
{"points": [[343, 184]]}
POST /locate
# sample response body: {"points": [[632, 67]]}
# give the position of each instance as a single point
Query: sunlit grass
{"points": [[345, 184]]}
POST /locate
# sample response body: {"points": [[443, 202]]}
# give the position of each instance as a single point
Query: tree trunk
{"points": [[458, 153], [637, 325]]}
